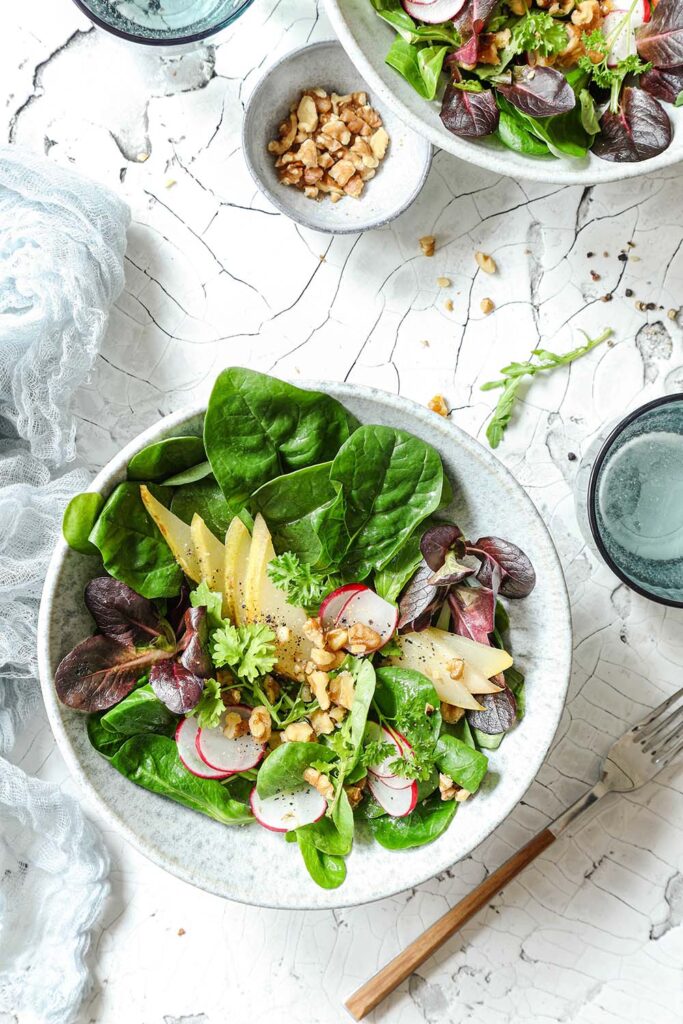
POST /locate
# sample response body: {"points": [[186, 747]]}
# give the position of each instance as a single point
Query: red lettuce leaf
{"points": [[420, 601], [660, 41], [638, 131], [437, 541], [194, 643], [539, 91], [499, 714], [100, 672], [469, 114], [473, 610], [177, 606], [663, 83], [125, 616], [505, 568], [474, 15], [176, 686]]}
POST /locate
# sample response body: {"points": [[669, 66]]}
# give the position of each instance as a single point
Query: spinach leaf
{"points": [[426, 823], [103, 740], [390, 482], [206, 499], [153, 763], [563, 134], [284, 768], [292, 505], [79, 519], [487, 741], [189, 476], [159, 460], [400, 569], [402, 695], [419, 65], [364, 674], [140, 712], [326, 869], [333, 835], [132, 548], [465, 766], [257, 428]]}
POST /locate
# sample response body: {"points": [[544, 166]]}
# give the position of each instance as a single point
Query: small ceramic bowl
{"points": [[399, 178]]}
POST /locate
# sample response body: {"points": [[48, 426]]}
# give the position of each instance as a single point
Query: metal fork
{"points": [[636, 758]]}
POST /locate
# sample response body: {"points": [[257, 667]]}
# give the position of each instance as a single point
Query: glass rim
{"points": [[129, 37], [605, 448]]}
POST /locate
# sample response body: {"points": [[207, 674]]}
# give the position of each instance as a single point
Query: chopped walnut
{"points": [[519, 7], [448, 305], [322, 724], [485, 263], [337, 715], [287, 133], [447, 787], [438, 405], [491, 43], [342, 172], [336, 639], [320, 782], [443, 282], [587, 15], [232, 696], [574, 48], [355, 791], [455, 668], [298, 732], [307, 114], [323, 659], [319, 681], [234, 725], [313, 631], [363, 639], [462, 795], [487, 306], [271, 688], [341, 690], [427, 244], [379, 141], [259, 724], [306, 693], [450, 713]]}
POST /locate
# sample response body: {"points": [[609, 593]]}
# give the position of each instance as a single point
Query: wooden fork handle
{"points": [[402, 966]]}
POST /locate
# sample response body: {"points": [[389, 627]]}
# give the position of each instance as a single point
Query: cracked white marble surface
{"points": [[592, 932]]}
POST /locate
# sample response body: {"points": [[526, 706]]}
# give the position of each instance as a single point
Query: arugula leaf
{"points": [[514, 373], [302, 585], [210, 706], [248, 650]]}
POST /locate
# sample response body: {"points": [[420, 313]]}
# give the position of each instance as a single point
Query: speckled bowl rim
{"points": [[536, 756], [274, 197], [555, 172]]}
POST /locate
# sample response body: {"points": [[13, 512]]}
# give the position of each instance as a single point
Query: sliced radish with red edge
{"points": [[334, 603], [396, 802], [185, 737], [369, 609], [625, 42], [382, 770], [433, 13], [286, 811], [226, 755]]}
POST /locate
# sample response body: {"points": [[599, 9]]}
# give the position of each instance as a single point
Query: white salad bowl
{"points": [[248, 863], [366, 39]]}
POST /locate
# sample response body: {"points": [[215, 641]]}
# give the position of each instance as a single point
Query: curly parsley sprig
{"points": [[604, 76], [303, 586]]}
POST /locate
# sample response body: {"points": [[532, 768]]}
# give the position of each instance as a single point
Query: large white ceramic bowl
{"points": [[253, 865], [366, 39]]}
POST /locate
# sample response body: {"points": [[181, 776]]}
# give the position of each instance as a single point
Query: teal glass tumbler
{"points": [[630, 499], [169, 23]]}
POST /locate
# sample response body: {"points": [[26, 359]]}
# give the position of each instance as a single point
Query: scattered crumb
{"points": [[605, 254], [629, 293], [673, 314], [590, 255], [438, 405], [485, 262], [571, 456], [448, 305], [635, 259], [623, 257], [443, 282], [595, 275], [141, 157], [427, 244], [645, 307], [631, 245], [181, 931], [424, 343], [170, 182], [322, 257], [607, 298], [487, 306]]}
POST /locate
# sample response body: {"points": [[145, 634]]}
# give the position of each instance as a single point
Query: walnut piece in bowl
{"points": [[311, 124]]}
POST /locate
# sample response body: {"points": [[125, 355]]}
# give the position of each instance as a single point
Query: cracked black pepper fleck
{"points": [[629, 293], [623, 257], [571, 456]]}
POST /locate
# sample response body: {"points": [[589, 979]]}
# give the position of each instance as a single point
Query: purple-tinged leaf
{"points": [[499, 714], [194, 643], [473, 610], [176, 686], [539, 91], [663, 83], [177, 606], [100, 672], [470, 115], [420, 601], [125, 616], [473, 17], [437, 541], [467, 54], [505, 568], [452, 571], [638, 131], [660, 41]]}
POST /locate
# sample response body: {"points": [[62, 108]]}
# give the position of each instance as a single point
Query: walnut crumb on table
{"points": [[330, 145], [427, 244], [487, 306], [485, 262], [438, 405]]}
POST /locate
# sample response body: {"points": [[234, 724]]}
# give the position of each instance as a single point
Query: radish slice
{"points": [[625, 42], [185, 737], [382, 771], [286, 811], [369, 609], [433, 13], [334, 603], [396, 802], [226, 755]]}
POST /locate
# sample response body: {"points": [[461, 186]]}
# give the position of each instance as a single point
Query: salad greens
{"points": [[544, 79], [247, 661]]}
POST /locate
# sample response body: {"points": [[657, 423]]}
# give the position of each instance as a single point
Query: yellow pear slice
{"points": [[420, 652], [210, 553], [267, 603], [487, 661], [237, 548], [175, 532]]}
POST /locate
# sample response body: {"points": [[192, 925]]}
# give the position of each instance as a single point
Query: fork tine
{"points": [[648, 725], [665, 757], [664, 729]]}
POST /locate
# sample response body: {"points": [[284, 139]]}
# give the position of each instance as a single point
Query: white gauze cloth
{"points": [[62, 240]]}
